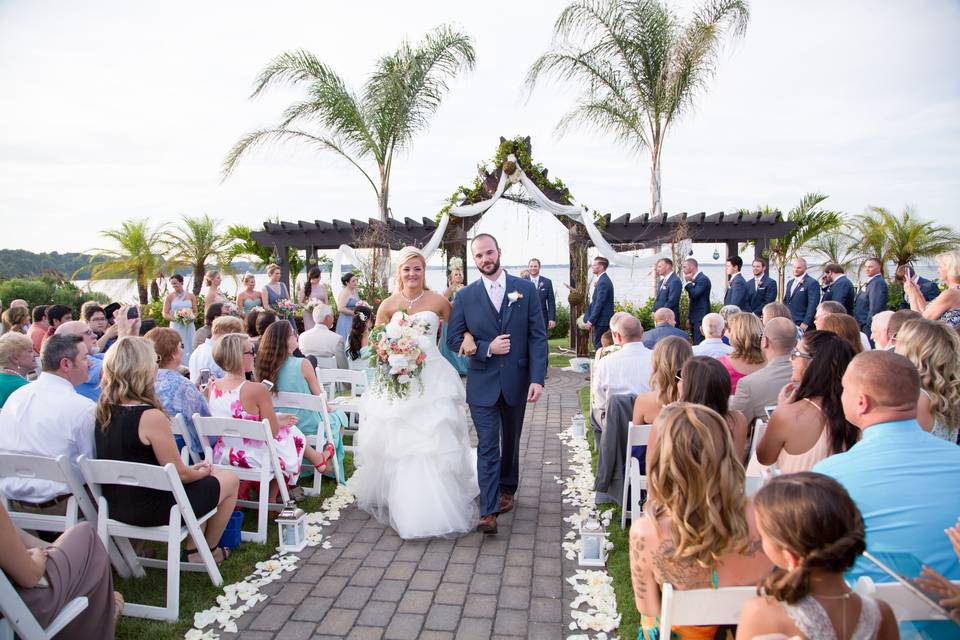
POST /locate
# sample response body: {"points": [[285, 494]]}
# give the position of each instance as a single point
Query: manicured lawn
{"points": [[618, 561], [196, 590], [557, 360]]}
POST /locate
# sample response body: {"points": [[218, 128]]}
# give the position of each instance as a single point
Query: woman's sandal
{"points": [[224, 554], [327, 454]]}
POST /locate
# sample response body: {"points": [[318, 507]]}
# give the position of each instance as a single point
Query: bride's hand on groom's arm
{"points": [[469, 346]]}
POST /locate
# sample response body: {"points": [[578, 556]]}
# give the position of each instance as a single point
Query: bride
{"points": [[415, 470]]}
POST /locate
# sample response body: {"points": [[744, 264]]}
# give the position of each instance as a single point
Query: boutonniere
{"points": [[513, 296]]}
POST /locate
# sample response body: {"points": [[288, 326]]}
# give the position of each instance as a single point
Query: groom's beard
{"points": [[490, 269]]}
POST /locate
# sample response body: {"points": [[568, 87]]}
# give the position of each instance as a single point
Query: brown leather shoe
{"points": [[506, 503], [487, 524]]}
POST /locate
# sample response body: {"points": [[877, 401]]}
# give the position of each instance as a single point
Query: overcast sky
{"points": [[117, 110]]}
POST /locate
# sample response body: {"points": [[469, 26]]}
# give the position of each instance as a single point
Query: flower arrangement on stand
{"points": [[397, 359]]}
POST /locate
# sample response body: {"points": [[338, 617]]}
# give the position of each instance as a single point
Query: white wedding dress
{"points": [[415, 469]]}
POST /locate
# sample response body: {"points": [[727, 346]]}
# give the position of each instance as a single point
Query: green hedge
{"points": [[645, 311], [48, 289]]}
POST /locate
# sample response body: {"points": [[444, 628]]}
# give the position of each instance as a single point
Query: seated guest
{"points": [[38, 329], [321, 341], [94, 315], [830, 307], [628, 370], [16, 361], [56, 315], [606, 347], [808, 424], [840, 324], [275, 362], [233, 396], [745, 332], [358, 347], [264, 320], [75, 565], [202, 356], [726, 312], [704, 381], [19, 302], [250, 321], [49, 418], [880, 330], [176, 393], [697, 529], [812, 532], [897, 320], [668, 359], [712, 344], [89, 388], [946, 306], [16, 320], [934, 349], [775, 310], [903, 479], [210, 313], [132, 427], [664, 325], [761, 389]]}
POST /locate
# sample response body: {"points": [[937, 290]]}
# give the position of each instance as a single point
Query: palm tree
{"points": [[902, 239], [136, 255], [242, 245], [395, 104], [836, 248], [196, 242], [811, 223], [638, 65]]}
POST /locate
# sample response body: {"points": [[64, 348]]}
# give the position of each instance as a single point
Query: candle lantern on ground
{"points": [[292, 524], [579, 424], [593, 544]]}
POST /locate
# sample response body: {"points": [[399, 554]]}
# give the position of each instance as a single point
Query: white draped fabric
{"points": [[576, 212]]}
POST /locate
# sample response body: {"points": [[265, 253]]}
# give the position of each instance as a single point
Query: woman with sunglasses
{"points": [[808, 424]]}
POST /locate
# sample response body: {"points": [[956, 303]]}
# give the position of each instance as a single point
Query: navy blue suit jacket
{"points": [[601, 305], [548, 301], [737, 293], [766, 294], [840, 291], [668, 296], [871, 300], [802, 298], [698, 292], [928, 288], [511, 373], [650, 338]]}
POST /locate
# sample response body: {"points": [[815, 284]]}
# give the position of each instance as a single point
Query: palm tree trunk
{"points": [[142, 287], [381, 256], [198, 273], [655, 202]]}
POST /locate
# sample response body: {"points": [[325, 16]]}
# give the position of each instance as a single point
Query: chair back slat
{"points": [[131, 474], [701, 607], [232, 427], [16, 613], [326, 362], [754, 468], [302, 401], [905, 604], [356, 379], [637, 435], [30, 467]]}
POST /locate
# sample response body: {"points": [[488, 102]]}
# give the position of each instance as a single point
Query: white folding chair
{"points": [[637, 435], [334, 378], [754, 468], [701, 607], [326, 362], [179, 427], [251, 430], [30, 467], [183, 523], [17, 615], [906, 605], [318, 403]]}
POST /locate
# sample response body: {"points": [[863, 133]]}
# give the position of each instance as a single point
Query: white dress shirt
{"points": [[626, 371], [45, 418], [496, 289], [323, 343], [713, 347], [202, 358]]}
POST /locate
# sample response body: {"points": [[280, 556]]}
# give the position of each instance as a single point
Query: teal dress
{"points": [[290, 379], [460, 363], [249, 304]]}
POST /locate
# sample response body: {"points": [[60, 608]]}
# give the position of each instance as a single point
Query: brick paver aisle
{"points": [[373, 585]]}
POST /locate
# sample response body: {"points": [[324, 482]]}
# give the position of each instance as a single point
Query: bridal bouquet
{"points": [[286, 308], [184, 316], [396, 358]]}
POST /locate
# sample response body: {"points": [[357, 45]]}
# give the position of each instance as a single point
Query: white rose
{"points": [[393, 331], [398, 361], [404, 379]]}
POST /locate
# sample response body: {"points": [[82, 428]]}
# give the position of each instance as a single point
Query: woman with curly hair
{"points": [[669, 355], [745, 332], [808, 424], [813, 533], [934, 349], [697, 529], [358, 349]]}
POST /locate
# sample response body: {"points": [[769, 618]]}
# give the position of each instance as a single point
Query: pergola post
{"points": [[761, 248], [284, 263], [577, 251], [733, 248]]}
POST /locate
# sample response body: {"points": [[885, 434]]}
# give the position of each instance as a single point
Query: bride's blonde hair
{"points": [[406, 255]]}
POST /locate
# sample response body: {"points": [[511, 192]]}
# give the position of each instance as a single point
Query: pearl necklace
{"points": [[410, 302]]}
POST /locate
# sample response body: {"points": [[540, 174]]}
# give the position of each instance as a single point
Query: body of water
{"points": [[635, 285]]}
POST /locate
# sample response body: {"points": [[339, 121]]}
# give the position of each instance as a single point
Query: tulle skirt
{"points": [[415, 469]]}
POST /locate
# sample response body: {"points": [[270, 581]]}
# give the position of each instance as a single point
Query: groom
{"points": [[503, 315]]}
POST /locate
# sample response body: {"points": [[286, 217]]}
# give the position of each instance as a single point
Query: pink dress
{"points": [[734, 374], [794, 463], [252, 454]]}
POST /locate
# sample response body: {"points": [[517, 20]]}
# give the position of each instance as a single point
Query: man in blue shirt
{"points": [[91, 388], [664, 325], [903, 480]]}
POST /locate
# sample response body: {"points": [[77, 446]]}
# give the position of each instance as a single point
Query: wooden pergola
{"points": [[626, 232]]}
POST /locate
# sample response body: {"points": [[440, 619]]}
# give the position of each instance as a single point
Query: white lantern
{"points": [[579, 424], [593, 544], [292, 525]]}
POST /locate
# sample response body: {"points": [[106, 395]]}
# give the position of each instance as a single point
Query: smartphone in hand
{"points": [[204, 377], [267, 384]]}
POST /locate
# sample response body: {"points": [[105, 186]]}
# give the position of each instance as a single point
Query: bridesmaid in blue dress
{"points": [[456, 283], [346, 302], [249, 297], [273, 292], [176, 300]]}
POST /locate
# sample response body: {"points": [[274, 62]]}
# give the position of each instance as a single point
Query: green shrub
{"points": [[645, 312], [48, 289], [894, 296], [562, 330]]}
